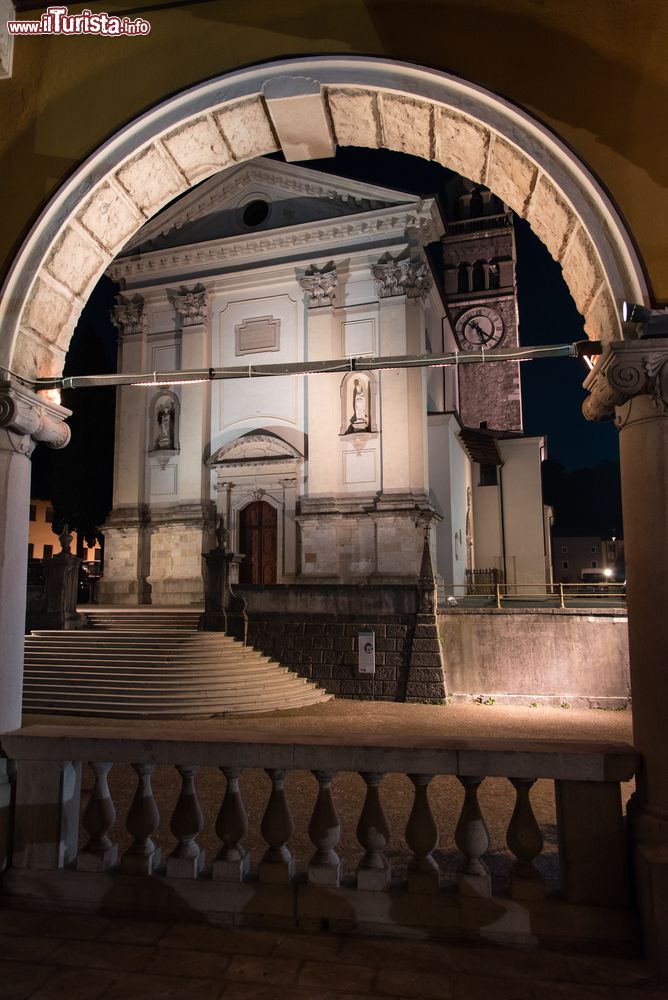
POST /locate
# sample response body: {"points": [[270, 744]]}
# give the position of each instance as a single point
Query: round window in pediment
{"points": [[255, 213]]}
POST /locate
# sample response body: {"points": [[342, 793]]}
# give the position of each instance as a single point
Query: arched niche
{"points": [[359, 403], [306, 107], [163, 433]]}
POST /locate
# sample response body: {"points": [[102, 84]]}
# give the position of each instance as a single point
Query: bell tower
{"points": [[481, 296]]}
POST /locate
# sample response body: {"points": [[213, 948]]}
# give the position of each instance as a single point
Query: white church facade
{"points": [[328, 478]]}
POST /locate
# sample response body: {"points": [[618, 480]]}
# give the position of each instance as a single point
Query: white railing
{"points": [[64, 859]]}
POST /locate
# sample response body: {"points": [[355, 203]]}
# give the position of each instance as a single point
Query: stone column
{"points": [[632, 377], [24, 419]]}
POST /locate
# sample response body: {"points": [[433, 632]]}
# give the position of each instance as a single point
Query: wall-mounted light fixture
{"points": [[649, 322]]}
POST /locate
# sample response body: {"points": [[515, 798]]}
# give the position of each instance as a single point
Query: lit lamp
{"points": [[649, 322]]}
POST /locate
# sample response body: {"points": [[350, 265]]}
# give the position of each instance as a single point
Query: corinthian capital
{"points": [[127, 315], [191, 305], [320, 286], [30, 416], [628, 368], [409, 277]]}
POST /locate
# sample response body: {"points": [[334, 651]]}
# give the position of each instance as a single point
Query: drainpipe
{"points": [[503, 527]]}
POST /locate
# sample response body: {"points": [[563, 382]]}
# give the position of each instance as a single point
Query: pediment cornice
{"points": [[313, 239]]}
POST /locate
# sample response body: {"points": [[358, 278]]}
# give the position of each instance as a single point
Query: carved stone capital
{"points": [[127, 315], [320, 286], [191, 305], [29, 418], [628, 368], [410, 277]]}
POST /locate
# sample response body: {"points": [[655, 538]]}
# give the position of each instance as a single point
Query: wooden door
{"points": [[258, 536]]}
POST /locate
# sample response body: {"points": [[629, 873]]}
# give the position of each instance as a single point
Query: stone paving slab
{"points": [[149, 960]]}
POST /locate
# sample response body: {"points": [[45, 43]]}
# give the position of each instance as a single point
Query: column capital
{"points": [[626, 369], [127, 315], [408, 276], [320, 285], [28, 418], [191, 305]]}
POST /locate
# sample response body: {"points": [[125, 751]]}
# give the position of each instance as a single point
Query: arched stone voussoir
{"points": [[366, 102]]}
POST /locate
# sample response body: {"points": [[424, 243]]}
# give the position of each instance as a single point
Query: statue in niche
{"points": [[165, 417], [360, 420]]}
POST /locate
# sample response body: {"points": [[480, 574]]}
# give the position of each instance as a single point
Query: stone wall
{"points": [[574, 657], [315, 633]]}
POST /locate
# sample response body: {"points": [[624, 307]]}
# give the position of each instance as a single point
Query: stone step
{"points": [[155, 664]]}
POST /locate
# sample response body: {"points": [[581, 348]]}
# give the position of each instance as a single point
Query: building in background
{"points": [[43, 543], [327, 478]]}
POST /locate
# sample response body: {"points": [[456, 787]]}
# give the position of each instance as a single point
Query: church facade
{"points": [[324, 478]]}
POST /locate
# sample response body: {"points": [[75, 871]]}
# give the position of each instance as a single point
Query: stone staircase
{"points": [[146, 663]]}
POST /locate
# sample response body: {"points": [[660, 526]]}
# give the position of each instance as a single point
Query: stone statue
{"points": [[360, 419], [165, 417]]}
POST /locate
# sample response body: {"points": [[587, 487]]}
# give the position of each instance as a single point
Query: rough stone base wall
{"points": [[324, 650]]}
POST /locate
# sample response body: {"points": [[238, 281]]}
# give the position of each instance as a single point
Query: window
{"points": [[48, 517], [33, 512], [564, 548], [30, 550], [488, 475], [48, 552], [594, 564], [592, 548], [564, 564]]}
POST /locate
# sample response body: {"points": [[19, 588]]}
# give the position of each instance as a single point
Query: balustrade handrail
{"points": [[574, 760], [50, 852]]}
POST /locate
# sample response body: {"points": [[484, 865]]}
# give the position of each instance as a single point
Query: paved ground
{"points": [[72, 958], [43, 957]]}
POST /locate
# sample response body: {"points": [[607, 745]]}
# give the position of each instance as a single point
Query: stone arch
{"points": [[306, 107]]}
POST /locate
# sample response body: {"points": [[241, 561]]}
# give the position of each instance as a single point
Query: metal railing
{"points": [[560, 595]]}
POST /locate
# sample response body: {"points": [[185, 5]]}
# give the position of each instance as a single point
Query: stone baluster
{"points": [[325, 832], [422, 838], [525, 841], [278, 864], [142, 857], [373, 833], [233, 860], [187, 858], [472, 839], [99, 852]]}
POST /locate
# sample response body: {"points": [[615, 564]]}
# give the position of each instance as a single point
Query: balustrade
{"points": [[588, 811]]}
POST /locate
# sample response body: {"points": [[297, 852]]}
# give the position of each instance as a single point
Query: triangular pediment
{"points": [[231, 204]]}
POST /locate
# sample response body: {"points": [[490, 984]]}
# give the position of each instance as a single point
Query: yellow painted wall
{"points": [[40, 533], [594, 70]]}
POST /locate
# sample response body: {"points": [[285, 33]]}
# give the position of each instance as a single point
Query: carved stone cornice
{"points": [[127, 315], [320, 285], [314, 238], [410, 277], [29, 418], [191, 305], [626, 369]]}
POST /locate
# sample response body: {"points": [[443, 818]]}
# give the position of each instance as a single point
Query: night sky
{"points": [[582, 474]]}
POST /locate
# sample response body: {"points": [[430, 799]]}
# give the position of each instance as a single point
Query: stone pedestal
{"points": [[223, 610], [59, 600]]}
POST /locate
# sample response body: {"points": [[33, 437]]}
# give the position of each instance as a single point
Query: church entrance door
{"points": [[258, 535]]}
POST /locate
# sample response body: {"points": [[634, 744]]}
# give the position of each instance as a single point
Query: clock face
{"points": [[478, 328]]}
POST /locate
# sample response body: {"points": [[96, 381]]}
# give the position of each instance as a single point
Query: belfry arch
{"points": [[305, 108]]}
